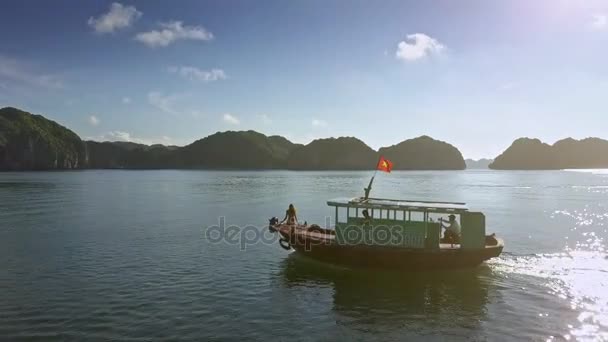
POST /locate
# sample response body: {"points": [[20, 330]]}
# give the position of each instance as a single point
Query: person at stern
{"points": [[290, 215]]}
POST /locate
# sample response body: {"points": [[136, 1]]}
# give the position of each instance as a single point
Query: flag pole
{"points": [[369, 186]]}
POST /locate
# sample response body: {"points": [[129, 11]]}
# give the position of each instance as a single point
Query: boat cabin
{"points": [[403, 223]]}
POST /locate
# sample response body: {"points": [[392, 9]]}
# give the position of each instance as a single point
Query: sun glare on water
{"points": [[578, 275]]}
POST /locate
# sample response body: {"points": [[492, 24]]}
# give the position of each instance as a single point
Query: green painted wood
{"points": [[473, 230], [387, 232]]}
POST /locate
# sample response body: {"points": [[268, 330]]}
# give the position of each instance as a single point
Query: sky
{"points": [[476, 74]]}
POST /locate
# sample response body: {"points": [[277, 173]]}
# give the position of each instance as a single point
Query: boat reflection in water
{"points": [[398, 305]]}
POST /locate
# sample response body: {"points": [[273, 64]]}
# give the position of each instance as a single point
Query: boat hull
{"points": [[323, 247], [398, 258]]}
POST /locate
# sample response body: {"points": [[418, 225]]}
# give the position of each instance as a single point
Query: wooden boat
{"points": [[398, 234]]}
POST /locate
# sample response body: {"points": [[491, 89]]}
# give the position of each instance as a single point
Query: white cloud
{"points": [[319, 123], [230, 119], [126, 100], [128, 137], [163, 102], [93, 120], [419, 46], [266, 120], [14, 70], [196, 74], [117, 136], [171, 32], [599, 22], [117, 18]]}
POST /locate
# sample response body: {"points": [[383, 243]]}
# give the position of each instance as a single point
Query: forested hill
{"points": [[32, 142], [533, 154]]}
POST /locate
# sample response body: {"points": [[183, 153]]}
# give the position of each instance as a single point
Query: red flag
{"points": [[384, 164]]}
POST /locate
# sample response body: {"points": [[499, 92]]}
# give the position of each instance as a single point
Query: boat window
{"points": [[377, 213], [433, 217], [341, 215], [416, 216], [359, 212], [354, 212], [444, 216]]}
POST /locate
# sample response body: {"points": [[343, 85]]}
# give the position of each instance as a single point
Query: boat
{"points": [[388, 233]]}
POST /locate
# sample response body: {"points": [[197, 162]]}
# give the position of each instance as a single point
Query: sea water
{"points": [[122, 255]]}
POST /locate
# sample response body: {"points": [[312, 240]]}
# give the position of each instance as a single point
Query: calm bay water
{"points": [[123, 255]]}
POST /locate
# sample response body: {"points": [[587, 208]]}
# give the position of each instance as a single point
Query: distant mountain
{"points": [[226, 150], [236, 150], [32, 142], [127, 155], [532, 154], [344, 153], [478, 164], [589, 153], [526, 154], [424, 153]]}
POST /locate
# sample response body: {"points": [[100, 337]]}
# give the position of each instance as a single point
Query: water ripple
{"points": [[122, 256]]}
